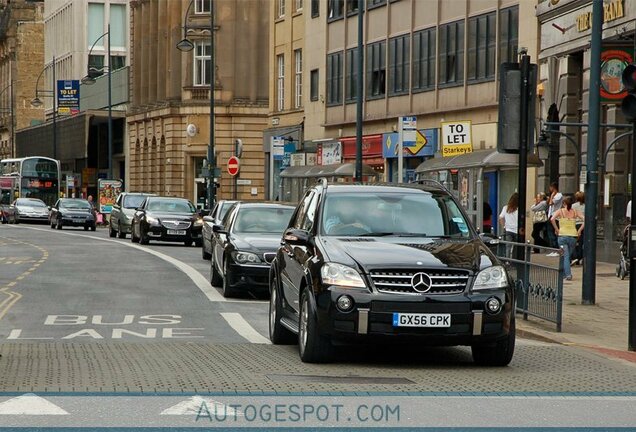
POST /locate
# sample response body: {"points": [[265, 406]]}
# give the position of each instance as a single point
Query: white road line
{"points": [[202, 283], [243, 328]]}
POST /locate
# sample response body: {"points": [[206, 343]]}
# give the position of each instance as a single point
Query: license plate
{"points": [[421, 320], [176, 232]]}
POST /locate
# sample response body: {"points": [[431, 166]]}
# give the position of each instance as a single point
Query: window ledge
{"points": [[297, 13], [379, 5], [480, 80], [423, 89], [450, 85], [279, 19], [376, 97], [332, 20]]}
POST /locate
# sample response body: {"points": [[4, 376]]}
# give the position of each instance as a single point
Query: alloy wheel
{"points": [[304, 321], [272, 310]]}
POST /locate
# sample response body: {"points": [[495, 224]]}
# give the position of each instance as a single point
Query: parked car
{"points": [[123, 211], [73, 212], [245, 244], [31, 210], [214, 218], [7, 210], [166, 219], [372, 263]]}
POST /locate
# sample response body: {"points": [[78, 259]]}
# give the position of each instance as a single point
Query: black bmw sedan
{"points": [[166, 219], [245, 244], [73, 212]]}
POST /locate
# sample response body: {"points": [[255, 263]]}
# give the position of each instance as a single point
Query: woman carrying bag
{"points": [[567, 233]]}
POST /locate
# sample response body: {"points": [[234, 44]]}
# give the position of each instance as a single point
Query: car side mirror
{"points": [[219, 229], [49, 208], [296, 237], [208, 219]]}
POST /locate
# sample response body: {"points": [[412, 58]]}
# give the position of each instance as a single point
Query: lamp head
{"points": [[36, 102], [88, 80], [185, 45]]}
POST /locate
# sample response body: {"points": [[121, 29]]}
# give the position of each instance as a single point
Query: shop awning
{"points": [[336, 170], [487, 159]]}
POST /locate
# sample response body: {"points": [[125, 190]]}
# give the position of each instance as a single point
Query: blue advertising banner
{"points": [[68, 97], [425, 144]]}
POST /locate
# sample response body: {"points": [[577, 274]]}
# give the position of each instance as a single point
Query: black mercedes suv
{"points": [[388, 263]]}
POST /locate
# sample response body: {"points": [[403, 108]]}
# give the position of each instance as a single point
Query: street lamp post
{"points": [[186, 45], [37, 102], [89, 79]]}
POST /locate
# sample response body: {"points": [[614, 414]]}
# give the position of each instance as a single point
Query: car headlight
{"points": [[341, 275], [245, 258], [491, 277], [152, 221], [198, 222]]}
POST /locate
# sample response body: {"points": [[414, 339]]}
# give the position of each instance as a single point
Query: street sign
{"points": [[456, 138], [68, 97], [243, 182], [233, 166]]}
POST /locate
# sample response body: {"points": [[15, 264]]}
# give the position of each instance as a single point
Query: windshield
{"points": [[171, 206], [30, 203], [401, 214], [264, 220], [75, 204], [133, 201], [225, 207]]}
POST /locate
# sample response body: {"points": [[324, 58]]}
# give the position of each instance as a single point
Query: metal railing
{"points": [[538, 279]]}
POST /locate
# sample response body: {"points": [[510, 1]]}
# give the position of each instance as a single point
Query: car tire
{"points": [[215, 277], [133, 237], [205, 254], [228, 291], [312, 346], [111, 232], [278, 334], [94, 227], [85, 227], [188, 243], [120, 233], [143, 236], [498, 354]]}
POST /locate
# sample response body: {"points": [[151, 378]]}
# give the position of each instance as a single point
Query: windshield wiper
{"points": [[393, 234]]}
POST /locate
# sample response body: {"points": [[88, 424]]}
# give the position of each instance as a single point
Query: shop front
{"points": [[415, 153], [371, 152]]}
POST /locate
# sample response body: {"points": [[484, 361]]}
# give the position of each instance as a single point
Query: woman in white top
{"points": [[508, 218], [567, 232]]}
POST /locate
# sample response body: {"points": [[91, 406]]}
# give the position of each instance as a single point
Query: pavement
{"points": [[602, 326]]}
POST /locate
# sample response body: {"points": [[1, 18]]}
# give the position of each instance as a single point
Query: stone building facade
{"points": [[21, 60], [169, 118]]}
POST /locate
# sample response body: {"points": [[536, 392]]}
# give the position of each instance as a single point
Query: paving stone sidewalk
{"points": [[601, 325]]}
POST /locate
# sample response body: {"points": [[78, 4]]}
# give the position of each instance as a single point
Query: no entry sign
{"points": [[233, 166]]}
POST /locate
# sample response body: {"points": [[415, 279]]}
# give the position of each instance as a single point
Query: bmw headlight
{"points": [[491, 277], [245, 257], [341, 275], [198, 222], [152, 221]]}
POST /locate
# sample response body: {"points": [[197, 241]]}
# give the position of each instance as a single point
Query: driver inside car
{"points": [[341, 218]]}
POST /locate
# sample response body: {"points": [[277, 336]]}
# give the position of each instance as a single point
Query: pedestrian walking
{"points": [[555, 202], [508, 218], [539, 220], [579, 207], [566, 233]]}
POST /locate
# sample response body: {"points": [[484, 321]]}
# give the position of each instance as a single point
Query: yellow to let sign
{"points": [[456, 138]]}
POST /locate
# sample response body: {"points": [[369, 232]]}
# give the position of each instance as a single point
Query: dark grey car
{"points": [[214, 218], [123, 211]]}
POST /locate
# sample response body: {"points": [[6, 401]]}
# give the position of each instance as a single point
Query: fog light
{"points": [[493, 305], [344, 303]]}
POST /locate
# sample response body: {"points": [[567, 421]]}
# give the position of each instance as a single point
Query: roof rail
{"points": [[323, 182], [431, 182]]}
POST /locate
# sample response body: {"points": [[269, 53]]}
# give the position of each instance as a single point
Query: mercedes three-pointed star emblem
{"points": [[421, 282]]}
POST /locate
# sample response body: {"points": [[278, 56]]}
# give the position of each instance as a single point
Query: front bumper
{"points": [[372, 316], [159, 232], [253, 277], [67, 221], [33, 218]]}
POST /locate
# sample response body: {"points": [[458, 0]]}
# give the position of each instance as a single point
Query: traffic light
{"points": [[509, 122], [628, 105]]}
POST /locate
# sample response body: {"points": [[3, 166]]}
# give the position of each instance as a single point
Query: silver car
{"points": [[31, 210], [123, 211]]}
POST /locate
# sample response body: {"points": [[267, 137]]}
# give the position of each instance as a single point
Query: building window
{"points": [[399, 64], [376, 70], [298, 5], [117, 62], [509, 37], [424, 59], [481, 47], [335, 9], [118, 25], [334, 78], [352, 6], [451, 53], [280, 82], [313, 85], [315, 8], [95, 27], [298, 78], [374, 3], [280, 9], [202, 6], [202, 56], [351, 78], [96, 65]]}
